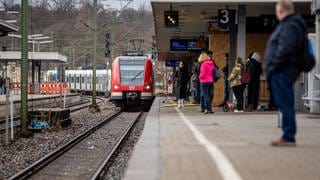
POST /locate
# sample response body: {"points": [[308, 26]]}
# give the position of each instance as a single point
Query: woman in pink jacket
{"points": [[206, 82]]}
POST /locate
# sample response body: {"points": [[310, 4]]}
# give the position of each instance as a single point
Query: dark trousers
{"points": [[253, 94], [197, 91], [226, 91], [206, 96], [238, 92], [282, 88]]}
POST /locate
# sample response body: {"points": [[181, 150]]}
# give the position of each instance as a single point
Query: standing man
{"points": [[255, 70], [280, 59]]}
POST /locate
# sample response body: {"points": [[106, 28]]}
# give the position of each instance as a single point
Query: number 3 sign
{"points": [[226, 18]]}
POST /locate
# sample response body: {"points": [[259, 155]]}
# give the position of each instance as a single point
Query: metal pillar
{"points": [[94, 106], [241, 42], [24, 69], [315, 105], [232, 52]]}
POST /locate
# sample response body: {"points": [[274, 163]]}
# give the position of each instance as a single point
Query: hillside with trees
{"points": [[69, 24]]}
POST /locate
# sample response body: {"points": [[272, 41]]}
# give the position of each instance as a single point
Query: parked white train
{"points": [[80, 81]]}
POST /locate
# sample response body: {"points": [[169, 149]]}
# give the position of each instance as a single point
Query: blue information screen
{"points": [[184, 45]]}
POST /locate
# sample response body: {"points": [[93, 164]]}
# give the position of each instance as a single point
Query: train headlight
{"points": [[147, 87], [116, 87]]}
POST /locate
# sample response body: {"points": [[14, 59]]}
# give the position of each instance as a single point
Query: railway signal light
{"points": [[107, 46], [171, 19]]}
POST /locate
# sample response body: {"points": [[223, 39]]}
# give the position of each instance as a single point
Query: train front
{"points": [[132, 82]]}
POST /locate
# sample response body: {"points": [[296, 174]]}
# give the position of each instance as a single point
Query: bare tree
{"points": [[64, 7]]}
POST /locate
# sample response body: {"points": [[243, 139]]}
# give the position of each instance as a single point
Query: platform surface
{"points": [[188, 145]]}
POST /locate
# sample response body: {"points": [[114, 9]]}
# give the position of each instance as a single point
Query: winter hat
{"points": [[255, 56]]}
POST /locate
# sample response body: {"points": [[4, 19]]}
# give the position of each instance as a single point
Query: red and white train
{"points": [[132, 82]]}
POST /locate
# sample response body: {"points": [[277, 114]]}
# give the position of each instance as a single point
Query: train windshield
{"points": [[132, 70]]}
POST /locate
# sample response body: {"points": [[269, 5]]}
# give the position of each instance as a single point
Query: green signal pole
{"points": [[24, 69], [113, 35], [94, 107]]}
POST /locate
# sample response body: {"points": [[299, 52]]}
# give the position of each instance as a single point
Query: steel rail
{"points": [[100, 171], [41, 163]]}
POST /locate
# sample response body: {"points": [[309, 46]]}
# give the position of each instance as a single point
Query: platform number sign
{"points": [[226, 18]]}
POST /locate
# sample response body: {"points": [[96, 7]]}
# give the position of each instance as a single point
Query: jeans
{"points": [[206, 96], [1, 90], [226, 91], [238, 92], [283, 92]]}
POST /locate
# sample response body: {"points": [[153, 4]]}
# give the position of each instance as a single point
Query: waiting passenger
{"points": [[206, 82], [182, 82], [236, 85], [255, 69]]}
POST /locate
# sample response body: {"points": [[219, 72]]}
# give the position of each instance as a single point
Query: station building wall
{"points": [[219, 44]]}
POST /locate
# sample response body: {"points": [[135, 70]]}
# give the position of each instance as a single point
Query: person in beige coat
{"points": [[236, 85]]}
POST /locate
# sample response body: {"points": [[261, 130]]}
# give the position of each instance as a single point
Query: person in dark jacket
{"points": [[196, 82], [255, 69], [280, 59], [182, 82], [225, 71]]}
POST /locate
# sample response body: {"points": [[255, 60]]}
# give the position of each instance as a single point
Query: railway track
{"points": [[85, 156], [73, 108]]}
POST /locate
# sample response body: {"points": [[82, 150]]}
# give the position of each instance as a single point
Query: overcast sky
{"points": [[134, 4]]}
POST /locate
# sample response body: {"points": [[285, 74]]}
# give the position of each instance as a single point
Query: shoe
{"points": [[238, 111], [202, 110], [211, 112], [283, 143], [205, 112]]}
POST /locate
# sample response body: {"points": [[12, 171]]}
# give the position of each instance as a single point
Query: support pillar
{"points": [[232, 52], [315, 105], [241, 38], [24, 70]]}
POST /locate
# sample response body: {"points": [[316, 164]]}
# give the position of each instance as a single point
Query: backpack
{"points": [[215, 73], [306, 60], [245, 76]]}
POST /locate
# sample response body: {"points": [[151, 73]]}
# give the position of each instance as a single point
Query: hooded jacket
{"points": [[206, 71], [254, 68], [281, 52], [235, 76]]}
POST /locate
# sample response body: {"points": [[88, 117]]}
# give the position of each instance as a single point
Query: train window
{"points": [[132, 70], [82, 79], [78, 79], [72, 79]]}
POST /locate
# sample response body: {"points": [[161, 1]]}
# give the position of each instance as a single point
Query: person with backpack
{"points": [[236, 84], [281, 66], [255, 70]]}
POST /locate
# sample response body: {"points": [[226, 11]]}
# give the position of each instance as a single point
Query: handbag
{"points": [[216, 74], [245, 76]]}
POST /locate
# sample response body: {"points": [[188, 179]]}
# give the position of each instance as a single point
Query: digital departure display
{"points": [[184, 45]]}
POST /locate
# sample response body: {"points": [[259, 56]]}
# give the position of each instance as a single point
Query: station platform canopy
{"points": [[49, 57], [195, 17], [5, 28]]}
